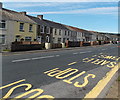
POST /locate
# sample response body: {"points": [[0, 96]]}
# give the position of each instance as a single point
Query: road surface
{"points": [[57, 74]]}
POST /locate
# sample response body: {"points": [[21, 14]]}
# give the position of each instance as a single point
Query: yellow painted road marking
{"points": [[94, 93], [11, 84], [72, 63], [13, 89]]}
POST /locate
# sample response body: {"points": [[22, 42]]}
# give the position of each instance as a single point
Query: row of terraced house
{"points": [[18, 26]]}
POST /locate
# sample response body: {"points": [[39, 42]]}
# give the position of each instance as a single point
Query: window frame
{"points": [[42, 29], [3, 22], [48, 30], [55, 31], [1, 37], [60, 31], [65, 33], [59, 40], [22, 30], [28, 37], [30, 28]]}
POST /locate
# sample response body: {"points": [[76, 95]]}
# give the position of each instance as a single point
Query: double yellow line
{"points": [[95, 92]]}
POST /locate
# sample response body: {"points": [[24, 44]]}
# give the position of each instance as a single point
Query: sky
{"points": [[93, 15]]}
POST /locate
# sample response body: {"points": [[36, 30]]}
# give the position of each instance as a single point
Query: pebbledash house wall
{"points": [[26, 32], [12, 30], [8, 32]]}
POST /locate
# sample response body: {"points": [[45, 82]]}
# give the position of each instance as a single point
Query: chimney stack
{"points": [[40, 16], [0, 5], [23, 13]]}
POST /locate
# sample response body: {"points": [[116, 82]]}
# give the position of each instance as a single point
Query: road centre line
{"points": [[20, 60], [42, 57], [86, 52], [103, 49], [72, 63], [57, 55], [75, 53], [28, 59]]}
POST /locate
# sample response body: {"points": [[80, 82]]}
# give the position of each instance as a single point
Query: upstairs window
{"points": [[2, 24], [55, 31], [21, 26], [68, 33], [59, 32], [30, 28], [48, 30], [65, 32], [42, 29]]}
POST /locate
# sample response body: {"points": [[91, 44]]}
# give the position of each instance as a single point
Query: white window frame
{"points": [[30, 27], [60, 31], [65, 33], [55, 31], [48, 30], [1, 22], [42, 29], [28, 38], [1, 37], [47, 39], [59, 40], [22, 27]]}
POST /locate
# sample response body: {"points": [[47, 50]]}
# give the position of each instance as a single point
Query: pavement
{"points": [[61, 73]]}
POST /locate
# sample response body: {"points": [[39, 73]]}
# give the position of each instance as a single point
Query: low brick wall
{"points": [[95, 43], [26, 42], [106, 42], [73, 44], [26, 47], [56, 45], [86, 43]]}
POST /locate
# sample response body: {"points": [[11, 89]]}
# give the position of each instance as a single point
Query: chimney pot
{"points": [[0, 5], [24, 12], [40, 16]]}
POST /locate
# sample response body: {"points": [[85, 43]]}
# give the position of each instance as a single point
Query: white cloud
{"points": [[101, 10], [39, 4], [59, 1]]}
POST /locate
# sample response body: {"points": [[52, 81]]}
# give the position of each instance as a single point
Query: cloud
{"points": [[32, 4], [59, 1], [100, 10]]}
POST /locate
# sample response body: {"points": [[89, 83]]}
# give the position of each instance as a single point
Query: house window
{"points": [[71, 34], [55, 31], [42, 29], [63, 40], [28, 38], [21, 26], [48, 30], [65, 32], [59, 40], [2, 39], [2, 24], [47, 39], [59, 32], [30, 28], [76, 34], [68, 33]]}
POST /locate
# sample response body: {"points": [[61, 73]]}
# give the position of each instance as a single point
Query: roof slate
{"points": [[16, 16]]}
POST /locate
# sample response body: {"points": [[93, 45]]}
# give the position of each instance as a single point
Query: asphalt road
{"points": [[84, 74]]}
